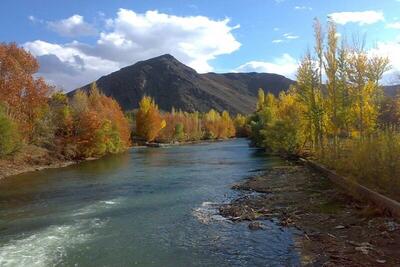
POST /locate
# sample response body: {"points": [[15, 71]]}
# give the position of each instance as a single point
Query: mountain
{"points": [[173, 84], [391, 90]]}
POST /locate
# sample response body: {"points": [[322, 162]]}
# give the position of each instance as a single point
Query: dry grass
{"points": [[373, 162]]}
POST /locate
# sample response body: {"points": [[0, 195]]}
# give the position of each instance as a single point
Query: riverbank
{"points": [[179, 143], [33, 158], [332, 228]]}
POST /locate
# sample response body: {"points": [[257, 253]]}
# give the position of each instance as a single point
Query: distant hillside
{"points": [[173, 84], [392, 90]]}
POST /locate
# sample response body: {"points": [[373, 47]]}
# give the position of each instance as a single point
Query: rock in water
{"points": [[256, 226]]}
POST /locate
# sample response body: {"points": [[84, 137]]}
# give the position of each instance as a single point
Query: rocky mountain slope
{"points": [[173, 84]]}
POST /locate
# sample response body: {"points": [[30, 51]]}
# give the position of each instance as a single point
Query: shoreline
{"points": [[194, 142], [9, 168], [330, 228], [12, 170]]}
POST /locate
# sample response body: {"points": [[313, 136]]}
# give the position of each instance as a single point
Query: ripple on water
{"points": [[208, 212], [49, 246]]}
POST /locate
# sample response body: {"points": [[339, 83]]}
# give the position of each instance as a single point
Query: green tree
{"points": [[9, 135], [179, 133]]}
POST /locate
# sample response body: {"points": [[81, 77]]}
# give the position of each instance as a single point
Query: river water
{"points": [[146, 207]]}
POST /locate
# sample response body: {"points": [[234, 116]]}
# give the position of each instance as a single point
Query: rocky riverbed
{"points": [[333, 228]]}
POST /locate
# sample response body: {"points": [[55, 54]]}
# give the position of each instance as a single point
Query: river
{"points": [[146, 207]]}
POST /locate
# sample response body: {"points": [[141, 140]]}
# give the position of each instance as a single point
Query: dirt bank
{"points": [[334, 229], [31, 158]]}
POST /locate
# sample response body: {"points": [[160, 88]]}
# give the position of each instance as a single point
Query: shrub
{"points": [[9, 136]]}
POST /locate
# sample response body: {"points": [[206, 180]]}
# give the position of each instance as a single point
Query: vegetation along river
{"points": [[146, 207]]}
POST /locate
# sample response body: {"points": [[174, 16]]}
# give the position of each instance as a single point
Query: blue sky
{"points": [[78, 41]]}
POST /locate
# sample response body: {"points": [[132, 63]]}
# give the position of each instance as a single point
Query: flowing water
{"points": [[146, 207]]}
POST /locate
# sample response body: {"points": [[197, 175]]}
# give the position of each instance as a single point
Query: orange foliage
{"points": [[189, 122], [23, 95], [100, 126], [109, 109]]}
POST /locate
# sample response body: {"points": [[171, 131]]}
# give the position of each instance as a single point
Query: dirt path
{"points": [[334, 229]]}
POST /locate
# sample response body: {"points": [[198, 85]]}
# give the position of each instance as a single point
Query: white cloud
{"points": [[390, 50], [285, 38], [130, 37], [72, 27], [276, 29], [33, 19], [361, 17], [393, 25], [285, 65], [303, 8], [290, 36], [66, 66]]}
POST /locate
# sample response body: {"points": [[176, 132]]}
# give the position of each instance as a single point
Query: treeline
{"points": [[152, 125], [336, 113], [32, 113], [88, 124]]}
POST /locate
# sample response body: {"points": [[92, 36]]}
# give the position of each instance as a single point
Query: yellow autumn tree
{"points": [[148, 120]]}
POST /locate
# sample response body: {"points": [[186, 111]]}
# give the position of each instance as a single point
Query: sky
{"points": [[77, 42]]}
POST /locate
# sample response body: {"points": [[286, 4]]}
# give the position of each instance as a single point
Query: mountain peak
{"points": [[173, 84], [167, 56]]}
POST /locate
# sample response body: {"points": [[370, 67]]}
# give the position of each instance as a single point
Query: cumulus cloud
{"points": [[361, 17], [285, 65], [66, 66], [72, 27], [391, 50], [131, 36]]}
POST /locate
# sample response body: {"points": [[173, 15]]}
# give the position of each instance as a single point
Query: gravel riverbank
{"points": [[334, 229]]}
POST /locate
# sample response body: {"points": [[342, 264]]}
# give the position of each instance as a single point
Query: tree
{"points": [[148, 119], [364, 74], [9, 136], [331, 69], [309, 95], [319, 49], [241, 126], [263, 119], [22, 95], [99, 125], [260, 99], [179, 133], [228, 128], [210, 123], [389, 113], [346, 99]]}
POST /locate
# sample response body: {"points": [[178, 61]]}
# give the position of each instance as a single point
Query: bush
{"points": [[373, 161], [9, 136], [179, 134]]}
